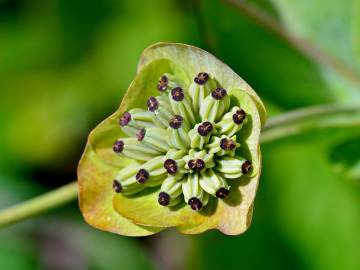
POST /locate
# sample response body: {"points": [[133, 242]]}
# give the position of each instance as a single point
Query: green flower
{"points": [[181, 151]]}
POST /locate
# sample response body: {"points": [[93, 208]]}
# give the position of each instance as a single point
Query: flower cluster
{"points": [[181, 151], [185, 142]]}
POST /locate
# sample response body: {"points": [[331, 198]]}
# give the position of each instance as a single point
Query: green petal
{"points": [[144, 209], [95, 198]]}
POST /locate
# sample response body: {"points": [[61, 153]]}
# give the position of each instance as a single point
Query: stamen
{"points": [[164, 199], [201, 78], [239, 116], [222, 193], [227, 144], [176, 121], [117, 186], [195, 204], [141, 134], [163, 83], [196, 164], [246, 167], [205, 128], [125, 119], [177, 94], [118, 146], [218, 93], [152, 104], [142, 176], [170, 166]]}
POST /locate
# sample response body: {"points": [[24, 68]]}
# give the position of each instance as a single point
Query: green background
{"points": [[64, 66]]}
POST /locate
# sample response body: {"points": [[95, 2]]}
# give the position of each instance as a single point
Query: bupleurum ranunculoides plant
{"points": [[181, 151]]}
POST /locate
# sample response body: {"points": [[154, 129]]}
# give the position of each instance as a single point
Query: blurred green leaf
{"points": [[277, 71], [333, 28], [64, 65], [346, 157]]}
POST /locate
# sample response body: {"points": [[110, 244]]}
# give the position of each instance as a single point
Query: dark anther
{"points": [[222, 193], [152, 104], [142, 176], [177, 94], [205, 128], [239, 116], [117, 186], [125, 119], [176, 121], [170, 166], [140, 134], [218, 93], [201, 78], [164, 199], [118, 146], [246, 167], [195, 204], [196, 164], [227, 144], [163, 83]]}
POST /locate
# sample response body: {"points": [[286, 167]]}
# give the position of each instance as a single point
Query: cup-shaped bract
{"points": [[181, 151]]}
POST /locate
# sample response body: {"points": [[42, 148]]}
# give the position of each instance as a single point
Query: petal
{"points": [[95, 198], [144, 209]]}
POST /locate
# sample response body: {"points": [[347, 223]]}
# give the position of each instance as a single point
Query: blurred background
{"points": [[64, 66]]}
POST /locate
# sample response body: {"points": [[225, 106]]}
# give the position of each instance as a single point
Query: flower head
{"points": [[182, 150]]}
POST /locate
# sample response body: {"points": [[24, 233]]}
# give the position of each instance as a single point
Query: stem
{"points": [[39, 205], [310, 119], [278, 127]]}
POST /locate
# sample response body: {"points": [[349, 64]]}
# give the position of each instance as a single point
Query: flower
{"points": [[181, 151]]}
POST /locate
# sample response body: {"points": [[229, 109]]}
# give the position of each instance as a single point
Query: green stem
{"points": [[39, 205], [278, 127], [310, 119]]}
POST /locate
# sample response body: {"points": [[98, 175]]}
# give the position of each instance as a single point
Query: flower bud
{"points": [[181, 105], [155, 170], [132, 148], [161, 108], [137, 118], [215, 105], [200, 88], [174, 163], [223, 145], [233, 167], [200, 134], [214, 184], [194, 195], [232, 121], [167, 82], [125, 181], [178, 133], [171, 189], [198, 161], [156, 138]]}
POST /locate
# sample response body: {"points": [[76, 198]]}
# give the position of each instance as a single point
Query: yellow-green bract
{"points": [[136, 210]]}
